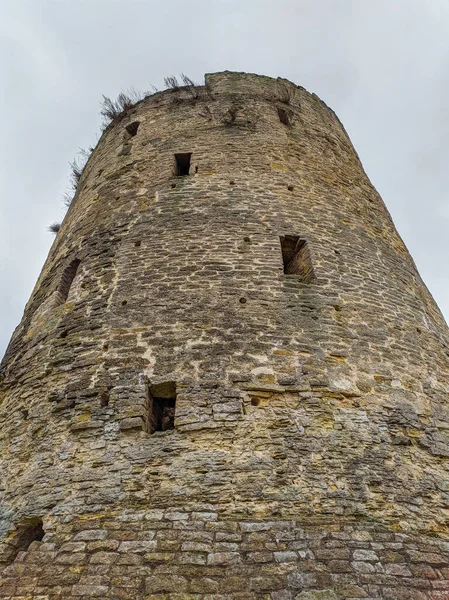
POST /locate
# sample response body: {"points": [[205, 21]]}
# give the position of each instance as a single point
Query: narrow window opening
{"points": [[161, 407], [183, 164], [28, 533], [67, 279], [296, 258], [284, 117], [104, 398], [132, 128]]}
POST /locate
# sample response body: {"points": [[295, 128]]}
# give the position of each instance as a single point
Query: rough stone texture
{"points": [[310, 449]]}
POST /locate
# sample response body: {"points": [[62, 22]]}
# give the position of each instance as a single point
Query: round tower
{"points": [[230, 381]]}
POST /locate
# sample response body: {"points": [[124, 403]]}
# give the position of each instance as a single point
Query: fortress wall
{"points": [[312, 403]]}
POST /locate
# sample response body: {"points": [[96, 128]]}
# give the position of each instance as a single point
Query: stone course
{"points": [[309, 455]]}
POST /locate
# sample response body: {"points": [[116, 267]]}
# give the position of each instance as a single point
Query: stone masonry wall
{"points": [[309, 457], [157, 554]]}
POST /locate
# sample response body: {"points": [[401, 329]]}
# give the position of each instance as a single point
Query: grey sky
{"points": [[382, 65]]}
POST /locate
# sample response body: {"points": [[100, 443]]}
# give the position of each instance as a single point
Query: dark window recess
{"points": [[161, 407], [27, 533], [104, 397], [296, 258], [284, 116], [132, 128], [183, 164], [67, 279]]}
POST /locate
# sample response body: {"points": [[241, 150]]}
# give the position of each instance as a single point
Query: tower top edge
{"points": [[245, 75], [222, 84], [234, 82], [248, 83]]}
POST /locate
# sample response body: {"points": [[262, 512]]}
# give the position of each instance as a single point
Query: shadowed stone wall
{"points": [[309, 455]]}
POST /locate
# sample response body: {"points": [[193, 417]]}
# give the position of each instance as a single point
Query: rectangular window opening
{"points": [[284, 116], [32, 530], [132, 128], [67, 278], [161, 407], [183, 164], [296, 258]]}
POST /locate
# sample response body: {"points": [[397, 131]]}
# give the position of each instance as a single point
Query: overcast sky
{"points": [[382, 65]]}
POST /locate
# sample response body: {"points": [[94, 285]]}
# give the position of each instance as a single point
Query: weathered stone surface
{"points": [[318, 595], [268, 290]]}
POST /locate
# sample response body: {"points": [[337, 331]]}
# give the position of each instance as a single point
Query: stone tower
{"points": [[230, 381]]}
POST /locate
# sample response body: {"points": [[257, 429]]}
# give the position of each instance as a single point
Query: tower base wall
{"points": [[178, 555]]}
